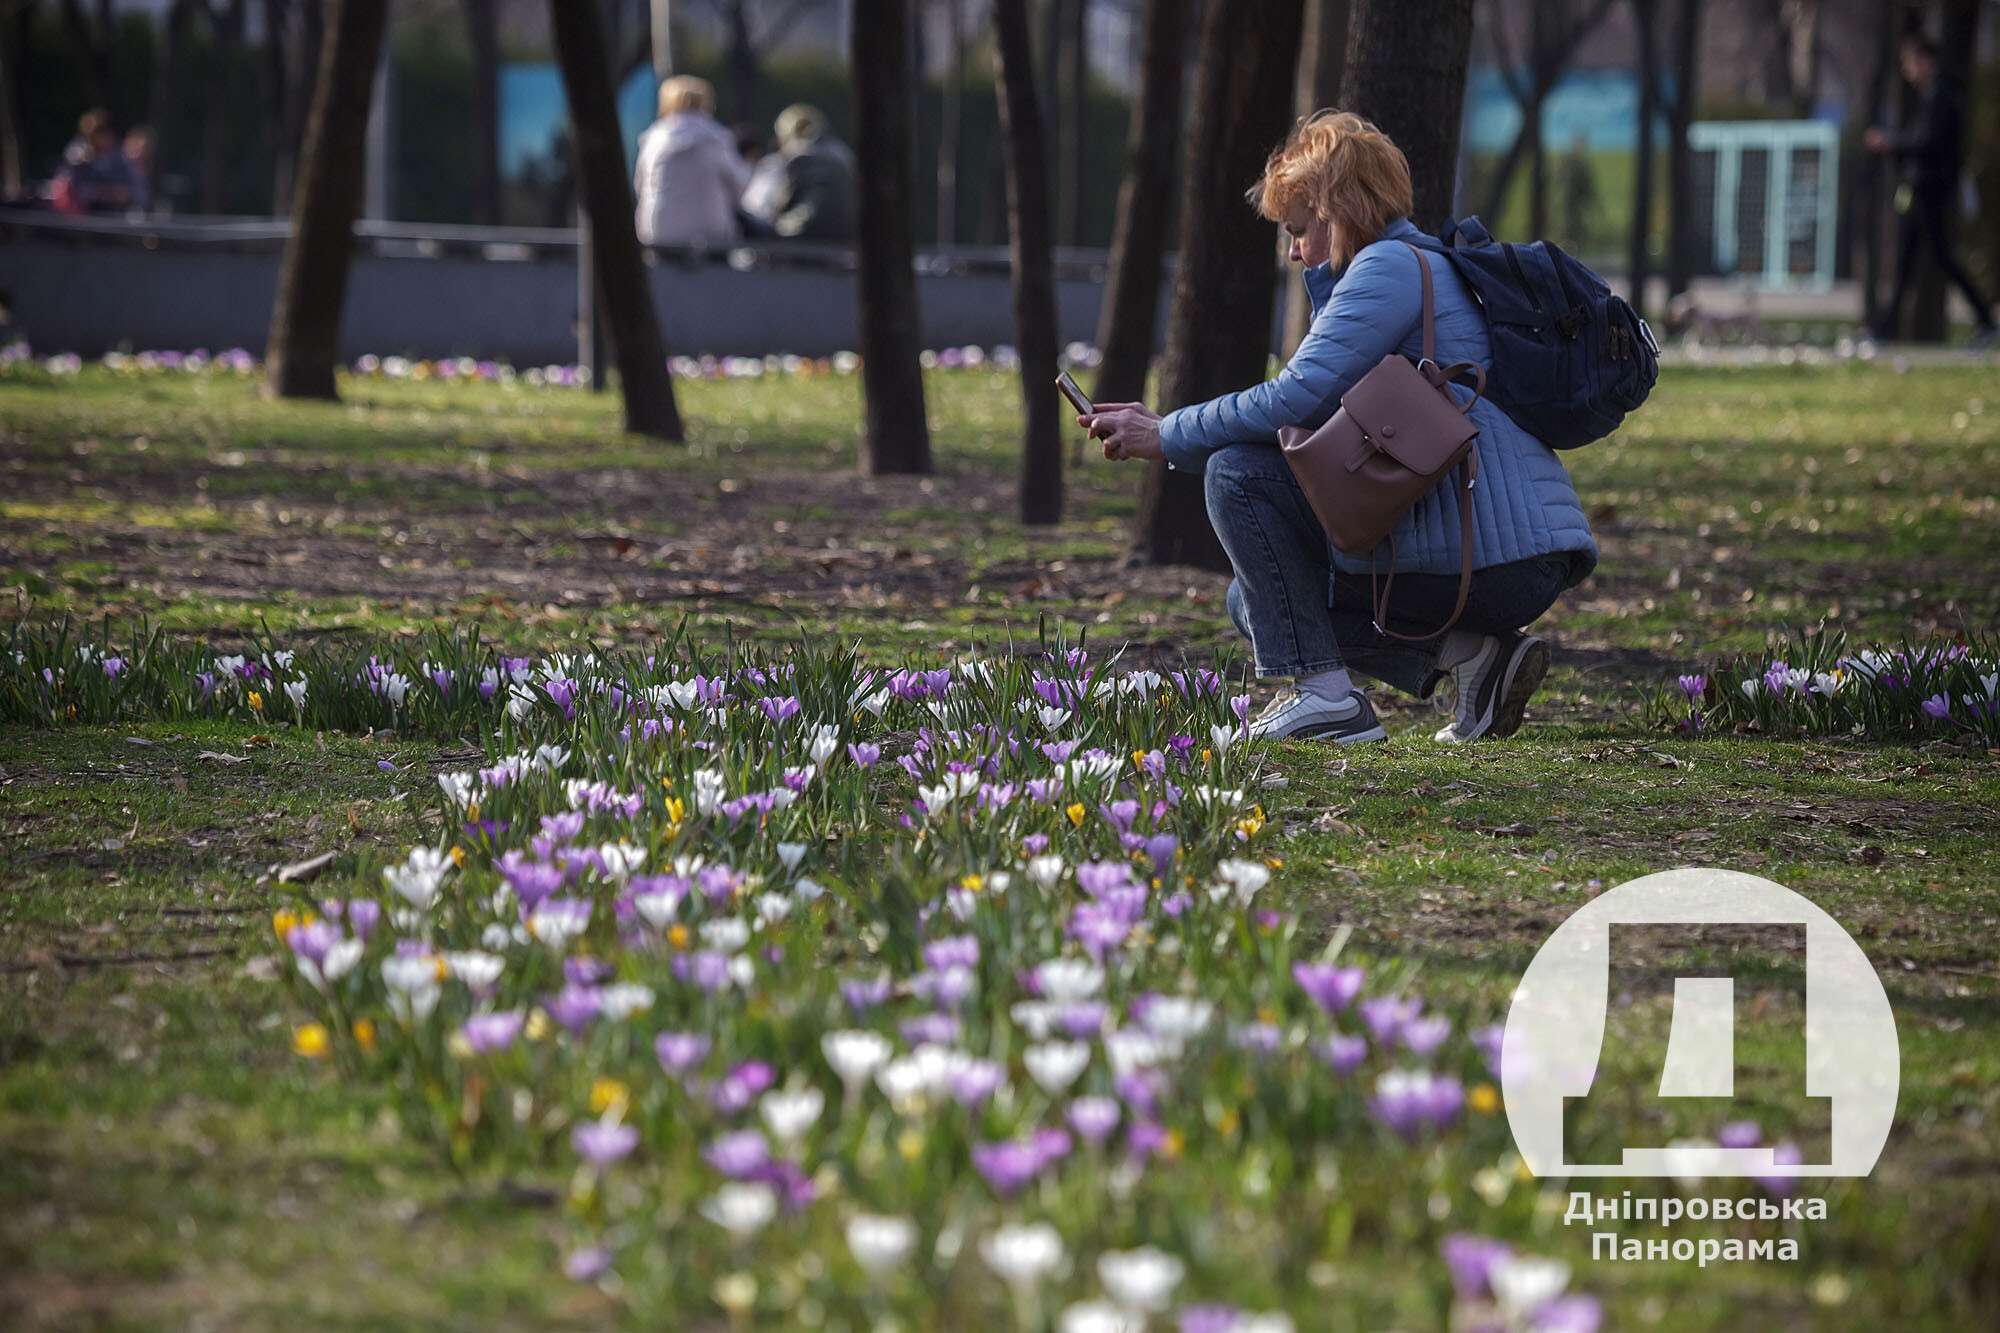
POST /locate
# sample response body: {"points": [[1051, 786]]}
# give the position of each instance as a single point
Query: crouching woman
{"points": [[1341, 189]]}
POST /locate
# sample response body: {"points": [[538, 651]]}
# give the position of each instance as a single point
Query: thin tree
{"points": [[1322, 61], [747, 42], [1406, 72], [1873, 171], [1034, 275], [1130, 317], [1219, 331], [312, 278], [482, 34], [1645, 20], [225, 40], [1556, 28], [1681, 226], [10, 136], [1073, 76], [622, 292], [896, 437], [951, 126]]}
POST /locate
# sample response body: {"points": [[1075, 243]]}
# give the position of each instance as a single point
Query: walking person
{"points": [[1931, 151], [1342, 191]]}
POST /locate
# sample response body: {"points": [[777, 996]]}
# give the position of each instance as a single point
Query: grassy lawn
{"points": [[166, 1160]]}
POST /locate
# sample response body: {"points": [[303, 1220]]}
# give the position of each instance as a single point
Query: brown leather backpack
{"points": [[1399, 430]]}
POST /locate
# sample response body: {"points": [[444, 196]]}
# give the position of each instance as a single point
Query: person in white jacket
{"points": [[689, 176]]}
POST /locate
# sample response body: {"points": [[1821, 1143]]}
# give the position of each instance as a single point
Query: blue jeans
{"points": [[1302, 616]]}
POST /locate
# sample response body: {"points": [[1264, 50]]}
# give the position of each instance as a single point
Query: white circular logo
{"points": [[1556, 1025]]}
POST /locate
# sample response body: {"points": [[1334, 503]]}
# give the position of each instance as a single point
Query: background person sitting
{"points": [[95, 176], [816, 200], [689, 174]]}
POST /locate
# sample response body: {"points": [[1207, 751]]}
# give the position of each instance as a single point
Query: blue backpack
{"points": [[1569, 358]]}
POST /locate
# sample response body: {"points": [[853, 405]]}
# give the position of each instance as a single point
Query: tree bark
{"points": [[896, 435], [1322, 61], [312, 279], [1130, 317], [225, 30], [11, 181], [1645, 18], [951, 128], [1219, 332], [1406, 72], [1073, 76], [1034, 272], [1555, 32], [1680, 161], [623, 294], [482, 32], [1870, 217]]}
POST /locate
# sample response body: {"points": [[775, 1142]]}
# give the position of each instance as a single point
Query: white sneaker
{"points": [[1298, 715], [1494, 686]]}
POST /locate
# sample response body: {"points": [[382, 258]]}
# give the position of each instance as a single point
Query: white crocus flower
{"points": [[880, 1244], [808, 890], [1099, 1317], [1053, 718], [1222, 737], [624, 999], [1022, 1255], [295, 690], [906, 1083], [621, 859], [1034, 1017], [459, 788], [825, 740], [1143, 1279], [1056, 1064], [854, 1054], [741, 1209], [1045, 870], [771, 909], [1069, 980], [477, 970], [412, 984], [396, 686], [725, 934], [1130, 1050], [788, 1115], [657, 909], [876, 702], [710, 790], [790, 854], [1523, 1284], [339, 961], [420, 876], [1176, 1019]]}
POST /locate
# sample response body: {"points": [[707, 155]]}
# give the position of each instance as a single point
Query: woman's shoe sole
{"points": [[1524, 676]]}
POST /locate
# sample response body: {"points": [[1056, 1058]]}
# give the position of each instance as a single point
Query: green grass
{"points": [[165, 1160]]}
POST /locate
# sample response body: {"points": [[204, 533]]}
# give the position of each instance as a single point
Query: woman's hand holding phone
{"points": [[1128, 430]]}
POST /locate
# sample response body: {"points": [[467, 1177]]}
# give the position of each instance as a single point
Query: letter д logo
{"points": [[1556, 1026]]}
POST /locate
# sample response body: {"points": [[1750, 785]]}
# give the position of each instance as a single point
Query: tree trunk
{"points": [[1322, 61], [1219, 332], [1870, 217], [1034, 272], [225, 28], [312, 279], [482, 32], [951, 128], [740, 59], [1074, 77], [1958, 44], [277, 95], [897, 437], [1130, 318], [1645, 18], [1680, 161], [623, 294], [10, 136], [1406, 72]]}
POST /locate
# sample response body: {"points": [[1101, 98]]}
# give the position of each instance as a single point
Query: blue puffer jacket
{"points": [[1524, 504]]}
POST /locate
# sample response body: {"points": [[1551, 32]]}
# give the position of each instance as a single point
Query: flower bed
{"points": [[1937, 689], [835, 993]]}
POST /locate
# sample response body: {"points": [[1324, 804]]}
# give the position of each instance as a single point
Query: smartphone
{"points": [[1074, 394]]}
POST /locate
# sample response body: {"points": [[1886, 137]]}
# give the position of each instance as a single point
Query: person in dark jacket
{"points": [[1930, 149], [1341, 190], [817, 198]]}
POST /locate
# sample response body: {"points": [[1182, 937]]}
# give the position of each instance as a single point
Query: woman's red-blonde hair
{"points": [[1342, 169]]}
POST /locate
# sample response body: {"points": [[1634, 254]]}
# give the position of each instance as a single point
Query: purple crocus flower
{"points": [[941, 1029], [707, 970], [1082, 1021], [114, 667], [1240, 705], [1693, 686], [737, 1090], [1208, 1319], [1343, 1053], [1410, 1101], [1093, 1118], [311, 940], [1176, 903], [1471, 1259], [1782, 1154], [865, 754], [1739, 1134], [602, 1144], [975, 1081], [738, 1155], [489, 1033], [441, 677], [1007, 1166], [1160, 849], [1575, 1313], [1937, 707], [587, 1264], [1422, 1036], [575, 1007], [1331, 988], [206, 681], [864, 993], [679, 1052], [1035, 843], [1385, 1016], [952, 951], [1490, 1039], [779, 710]]}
